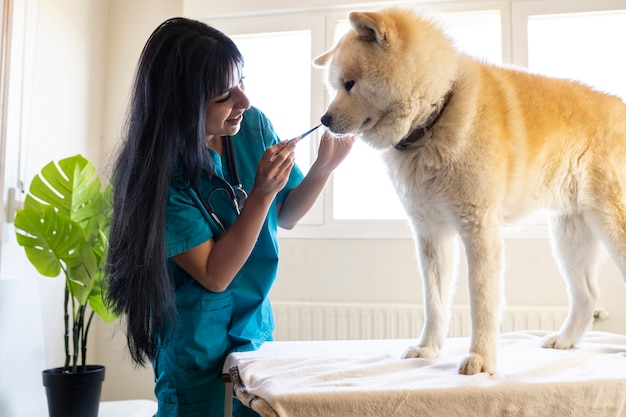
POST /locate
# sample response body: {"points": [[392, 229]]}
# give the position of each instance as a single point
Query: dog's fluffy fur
{"points": [[507, 143]]}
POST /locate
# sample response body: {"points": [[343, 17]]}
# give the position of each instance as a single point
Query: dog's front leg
{"points": [[483, 247], [437, 254]]}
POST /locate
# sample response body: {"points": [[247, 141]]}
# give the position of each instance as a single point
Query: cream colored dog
{"points": [[472, 146]]}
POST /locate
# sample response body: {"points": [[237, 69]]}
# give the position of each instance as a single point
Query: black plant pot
{"points": [[73, 395]]}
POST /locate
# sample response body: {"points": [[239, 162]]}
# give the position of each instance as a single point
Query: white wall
{"points": [[385, 271]]}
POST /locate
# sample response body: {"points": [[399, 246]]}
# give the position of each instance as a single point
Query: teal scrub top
{"points": [[211, 325]]}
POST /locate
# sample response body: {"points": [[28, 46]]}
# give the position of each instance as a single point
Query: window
{"points": [[18, 39], [284, 96], [582, 54], [545, 36]]}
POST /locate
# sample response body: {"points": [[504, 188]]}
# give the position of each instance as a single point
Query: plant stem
{"points": [[76, 336], [67, 330], [84, 339]]}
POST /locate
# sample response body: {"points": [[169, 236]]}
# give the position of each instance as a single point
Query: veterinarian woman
{"points": [[193, 248]]}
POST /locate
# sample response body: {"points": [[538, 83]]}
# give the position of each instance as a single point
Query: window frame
{"points": [[320, 224]]}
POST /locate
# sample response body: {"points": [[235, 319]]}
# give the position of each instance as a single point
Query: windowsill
{"points": [[396, 229]]}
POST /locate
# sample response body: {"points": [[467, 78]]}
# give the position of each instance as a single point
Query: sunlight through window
{"points": [[575, 46], [279, 83]]}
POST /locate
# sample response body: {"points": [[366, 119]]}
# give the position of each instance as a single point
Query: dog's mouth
{"points": [[367, 124], [344, 126]]}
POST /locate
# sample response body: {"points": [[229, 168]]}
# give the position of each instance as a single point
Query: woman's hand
{"points": [[273, 169], [332, 151]]}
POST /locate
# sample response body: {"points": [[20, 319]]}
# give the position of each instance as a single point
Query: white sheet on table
{"points": [[368, 378]]}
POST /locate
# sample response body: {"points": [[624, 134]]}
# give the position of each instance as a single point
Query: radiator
{"points": [[346, 321]]}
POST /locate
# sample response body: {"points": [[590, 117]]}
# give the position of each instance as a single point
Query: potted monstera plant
{"points": [[63, 228]]}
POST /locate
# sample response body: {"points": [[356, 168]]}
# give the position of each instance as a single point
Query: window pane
{"points": [[362, 189], [279, 83], [582, 46], [477, 33]]}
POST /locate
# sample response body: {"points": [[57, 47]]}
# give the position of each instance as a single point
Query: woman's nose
{"points": [[242, 101]]}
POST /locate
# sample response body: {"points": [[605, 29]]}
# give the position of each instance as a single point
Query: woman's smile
{"points": [[235, 120]]}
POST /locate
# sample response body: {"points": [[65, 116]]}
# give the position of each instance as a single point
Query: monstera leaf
{"points": [[71, 187], [55, 227], [96, 299], [53, 242], [63, 228]]}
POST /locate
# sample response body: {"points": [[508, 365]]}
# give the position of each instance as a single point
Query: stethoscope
{"points": [[236, 194]]}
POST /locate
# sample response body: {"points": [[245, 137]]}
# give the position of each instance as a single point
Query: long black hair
{"points": [[183, 64]]}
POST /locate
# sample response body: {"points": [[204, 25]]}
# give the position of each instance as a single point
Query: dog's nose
{"points": [[326, 120]]}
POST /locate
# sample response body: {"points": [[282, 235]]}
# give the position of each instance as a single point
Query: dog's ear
{"points": [[322, 60], [370, 26]]}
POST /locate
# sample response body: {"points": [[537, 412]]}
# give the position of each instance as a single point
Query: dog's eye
{"points": [[348, 85]]}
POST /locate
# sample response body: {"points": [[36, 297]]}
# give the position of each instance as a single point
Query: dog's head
{"points": [[385, 73]]}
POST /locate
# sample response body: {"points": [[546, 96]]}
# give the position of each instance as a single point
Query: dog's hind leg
{"points": [[437, 253], [609, 223], [577, 251]]}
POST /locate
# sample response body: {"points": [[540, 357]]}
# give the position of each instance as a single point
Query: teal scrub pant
{"points": [[204, 402], [240, 410], [188, 368]]}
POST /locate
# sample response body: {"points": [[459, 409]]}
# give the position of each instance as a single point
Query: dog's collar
{"points": [[421, 130]]}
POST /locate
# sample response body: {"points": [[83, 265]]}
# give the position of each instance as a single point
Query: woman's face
{"points": [[225, 111]]}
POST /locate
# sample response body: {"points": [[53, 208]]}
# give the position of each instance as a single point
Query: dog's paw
{"points": [[475, 363], [420, 352], [557, 341]]}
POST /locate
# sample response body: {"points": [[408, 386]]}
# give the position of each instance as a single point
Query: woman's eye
{"points": [[224, 99], [348, 85]]}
